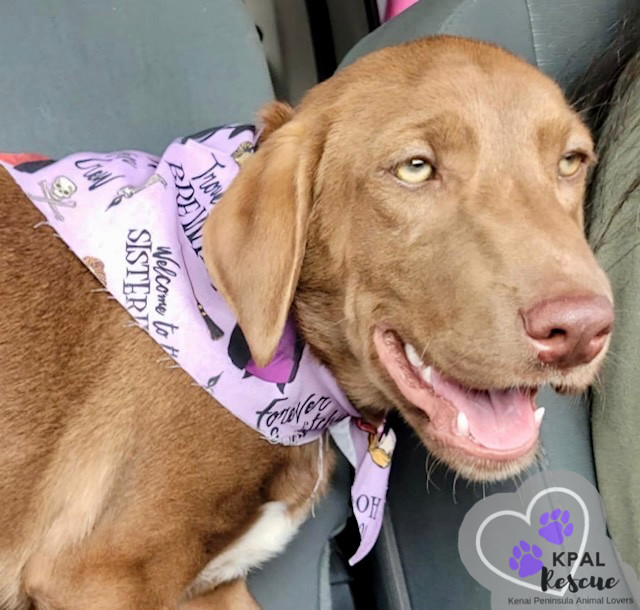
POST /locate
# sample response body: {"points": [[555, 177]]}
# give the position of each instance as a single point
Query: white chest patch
{"points": [[271, 532]]}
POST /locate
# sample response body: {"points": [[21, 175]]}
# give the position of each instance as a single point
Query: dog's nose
{"points": [[571, 330]]}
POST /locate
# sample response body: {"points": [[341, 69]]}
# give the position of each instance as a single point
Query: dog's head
{"points": [[422, 211]]}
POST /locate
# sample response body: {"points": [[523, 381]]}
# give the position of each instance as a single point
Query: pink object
{"points": [[395, 7]]}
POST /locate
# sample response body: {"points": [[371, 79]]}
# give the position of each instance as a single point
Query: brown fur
{"points": [[119, 480]]}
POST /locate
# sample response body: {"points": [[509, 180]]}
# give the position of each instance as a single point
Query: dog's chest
{"points": [[266, 538]]}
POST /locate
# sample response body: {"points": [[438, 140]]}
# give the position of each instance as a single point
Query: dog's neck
{"points": [[321, 311]]}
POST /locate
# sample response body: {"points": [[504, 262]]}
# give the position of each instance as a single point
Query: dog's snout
{"points": [[570, 330]]}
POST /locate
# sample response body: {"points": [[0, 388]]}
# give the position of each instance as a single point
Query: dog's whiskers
{"points": [[453, 490], [424, 351], [42, 223], [429, 469], [338, 322]]}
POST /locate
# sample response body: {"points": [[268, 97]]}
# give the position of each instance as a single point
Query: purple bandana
{"points": [[136, 221]]}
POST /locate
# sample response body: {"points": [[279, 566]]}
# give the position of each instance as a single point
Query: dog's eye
{"points": [[414, 171], [570, 164]]}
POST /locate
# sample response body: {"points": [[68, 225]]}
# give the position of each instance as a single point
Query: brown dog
{"points": [[421, 211]]}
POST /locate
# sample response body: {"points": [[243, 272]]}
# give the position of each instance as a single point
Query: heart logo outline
{"points": [[526, 517]]}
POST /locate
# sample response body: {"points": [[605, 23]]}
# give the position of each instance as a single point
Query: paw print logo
{"points": [[525, 559], [556, 526]]}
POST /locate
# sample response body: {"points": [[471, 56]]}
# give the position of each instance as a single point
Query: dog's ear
{"points": [[273, 116], [254, 239]]}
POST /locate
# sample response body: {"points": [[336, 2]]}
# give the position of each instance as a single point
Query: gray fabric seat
{"points": [[121, 74], [560, 37]]}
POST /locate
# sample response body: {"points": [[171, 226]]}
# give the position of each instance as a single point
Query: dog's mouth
{"points": [[499, 425]]}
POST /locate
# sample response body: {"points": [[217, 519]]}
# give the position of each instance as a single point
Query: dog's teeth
{"points": [[538, 415], [463, 424], [425, 373], [412, 355]]}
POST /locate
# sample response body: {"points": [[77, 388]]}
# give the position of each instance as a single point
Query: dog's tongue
{"points": [[498, 419]]}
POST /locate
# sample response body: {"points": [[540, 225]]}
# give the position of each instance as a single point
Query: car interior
{"points": [[120, 74]]}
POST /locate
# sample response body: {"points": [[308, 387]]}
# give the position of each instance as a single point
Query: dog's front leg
{"points": [[232, 595], [77, 580]]}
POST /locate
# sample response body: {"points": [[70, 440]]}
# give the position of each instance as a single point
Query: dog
{"points": [[424, 209]]}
